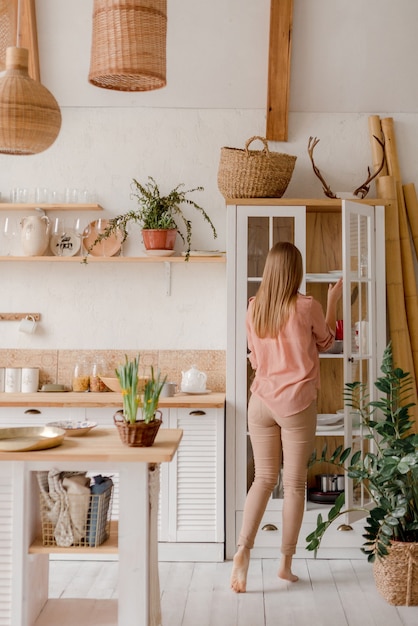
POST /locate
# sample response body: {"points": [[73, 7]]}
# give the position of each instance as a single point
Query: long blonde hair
{"points": [[276, 297]]}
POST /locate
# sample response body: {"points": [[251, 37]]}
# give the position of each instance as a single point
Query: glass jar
{"points": [[98, 368], [81, 376]]}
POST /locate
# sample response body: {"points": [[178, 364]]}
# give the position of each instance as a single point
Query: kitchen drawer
{"points": [[27, 416]]}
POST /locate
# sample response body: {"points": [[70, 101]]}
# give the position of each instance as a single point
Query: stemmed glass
{"points": [[81, 231], [58, 239]]}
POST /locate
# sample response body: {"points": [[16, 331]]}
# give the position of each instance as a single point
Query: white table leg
{"points": [[133, 589]]}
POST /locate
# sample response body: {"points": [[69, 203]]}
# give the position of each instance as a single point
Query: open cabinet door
{"points": [[27, 36], [361, 321]]}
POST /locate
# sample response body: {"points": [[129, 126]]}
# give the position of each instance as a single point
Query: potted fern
{"points": [[132, 431], [388, 471], [159, 216]]}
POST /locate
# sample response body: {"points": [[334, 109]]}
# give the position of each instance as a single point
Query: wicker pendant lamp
{"points": [[128, 51], [30, 118]]}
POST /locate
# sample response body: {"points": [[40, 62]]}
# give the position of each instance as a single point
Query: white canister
{"points": [[361, 336], [2, 379], [30, 379], [12, 379]]}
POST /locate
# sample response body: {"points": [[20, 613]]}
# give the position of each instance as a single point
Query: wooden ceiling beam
{"points": [[280, 46]]}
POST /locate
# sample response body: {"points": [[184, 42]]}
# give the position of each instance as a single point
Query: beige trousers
{"points": [[273, 439]]}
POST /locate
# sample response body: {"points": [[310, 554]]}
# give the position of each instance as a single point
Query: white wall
{"points": [[349, 60]]}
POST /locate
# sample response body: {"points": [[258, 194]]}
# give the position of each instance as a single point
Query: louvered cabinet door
{"points": [[6, 528], [196, 477]]}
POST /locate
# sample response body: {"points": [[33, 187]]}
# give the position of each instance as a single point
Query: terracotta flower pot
{"points": [[159, 239]]}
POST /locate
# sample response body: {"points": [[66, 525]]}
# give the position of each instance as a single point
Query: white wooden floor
{"points": [[329, 593]]}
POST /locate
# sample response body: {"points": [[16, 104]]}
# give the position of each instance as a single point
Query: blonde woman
{"points": [[285, 332]]}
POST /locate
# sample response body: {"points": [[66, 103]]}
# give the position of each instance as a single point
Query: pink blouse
{"points": [[287, 366]]}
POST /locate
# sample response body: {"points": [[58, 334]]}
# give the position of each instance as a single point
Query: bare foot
{"points": [[285, 569], [240, 569]]}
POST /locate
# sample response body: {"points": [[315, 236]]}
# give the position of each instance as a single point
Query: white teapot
{"points": [[193, 381], [35, 234]]}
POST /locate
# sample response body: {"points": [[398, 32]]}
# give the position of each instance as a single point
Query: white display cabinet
{"points": [[336, 238]]}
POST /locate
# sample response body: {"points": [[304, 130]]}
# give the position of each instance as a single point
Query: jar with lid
{"points": [[81, 376], [99, 368]]}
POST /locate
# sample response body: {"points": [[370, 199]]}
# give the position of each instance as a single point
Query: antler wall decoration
{"points": [[363, 189]]}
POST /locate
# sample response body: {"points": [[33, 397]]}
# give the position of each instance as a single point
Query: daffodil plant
{"points": [[127, 375], [152, 391]]}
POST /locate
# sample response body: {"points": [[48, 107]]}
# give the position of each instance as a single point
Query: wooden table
{"points": [[101, 451]]}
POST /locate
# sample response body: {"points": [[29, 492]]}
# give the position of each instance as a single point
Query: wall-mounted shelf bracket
{"points": [[167, 271]]}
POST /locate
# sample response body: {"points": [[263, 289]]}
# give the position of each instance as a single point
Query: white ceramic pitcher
{"points": [[193, 381], [35, 234]]}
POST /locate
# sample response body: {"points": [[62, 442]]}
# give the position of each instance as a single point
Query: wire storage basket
{"points": [[128, 49], [74, 519], [254, 173]]}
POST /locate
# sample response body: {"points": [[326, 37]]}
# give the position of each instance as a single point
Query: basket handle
{"points": [[263, 139]]}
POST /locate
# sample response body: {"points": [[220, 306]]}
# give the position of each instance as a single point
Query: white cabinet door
{"points": [[196, 477]]}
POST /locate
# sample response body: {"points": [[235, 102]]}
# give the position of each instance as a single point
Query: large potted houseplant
{"points": [[134, 431], [388, 470], [158, 216]]}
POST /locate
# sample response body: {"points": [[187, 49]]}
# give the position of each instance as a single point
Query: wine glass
{"points": [[58, 238], [81, 231]]}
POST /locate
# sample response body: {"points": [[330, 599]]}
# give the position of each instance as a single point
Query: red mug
{"points": [[339, 330]]}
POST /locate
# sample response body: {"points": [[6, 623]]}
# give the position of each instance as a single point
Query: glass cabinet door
{"points": [[258, 230], [359, 313]]}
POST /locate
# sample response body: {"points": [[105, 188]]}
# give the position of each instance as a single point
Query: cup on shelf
{"points": [[13, 379], [27, 325], [30, 379]]}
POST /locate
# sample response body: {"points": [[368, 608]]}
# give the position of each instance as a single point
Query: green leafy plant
{"points": [[152, 392], [127, 375], [388, 470], [156, 211]]}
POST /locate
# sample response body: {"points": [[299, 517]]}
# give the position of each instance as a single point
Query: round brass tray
{"points": [[24, 438]]}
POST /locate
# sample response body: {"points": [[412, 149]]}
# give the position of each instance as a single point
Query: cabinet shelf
{"points": [[14, 206]]}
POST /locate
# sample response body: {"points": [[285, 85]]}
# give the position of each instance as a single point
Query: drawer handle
{"points": [[344, 527], [33, 411], [269, 527], [197, 412]]}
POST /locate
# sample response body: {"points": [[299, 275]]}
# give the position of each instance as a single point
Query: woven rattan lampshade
{"points": [[30, 118], [128, 51]]}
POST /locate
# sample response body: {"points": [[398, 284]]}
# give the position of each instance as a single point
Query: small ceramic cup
{"points": [[27, 325], [168, 390]]}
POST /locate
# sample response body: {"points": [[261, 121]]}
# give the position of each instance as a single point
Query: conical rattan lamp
{"points": [[30, 118], [128, 50]]}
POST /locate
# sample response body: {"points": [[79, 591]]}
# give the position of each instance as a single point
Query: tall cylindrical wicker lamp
{"points": [[30, 118], [128, 51]]}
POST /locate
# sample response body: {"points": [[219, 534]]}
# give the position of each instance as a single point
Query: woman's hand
{"points": [[335, 291]]}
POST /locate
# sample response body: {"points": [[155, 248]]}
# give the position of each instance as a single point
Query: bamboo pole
{"points": [[397, 313], [391, 149], [411, 202]]}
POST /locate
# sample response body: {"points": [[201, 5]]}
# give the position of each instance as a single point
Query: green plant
{"points": [[152, 392], [156, 212], [127, 375], [388, 470]]}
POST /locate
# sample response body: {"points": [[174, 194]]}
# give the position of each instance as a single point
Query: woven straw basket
{"points": [[128, 49], [254, 173], [396, 576], [140, 434]]}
